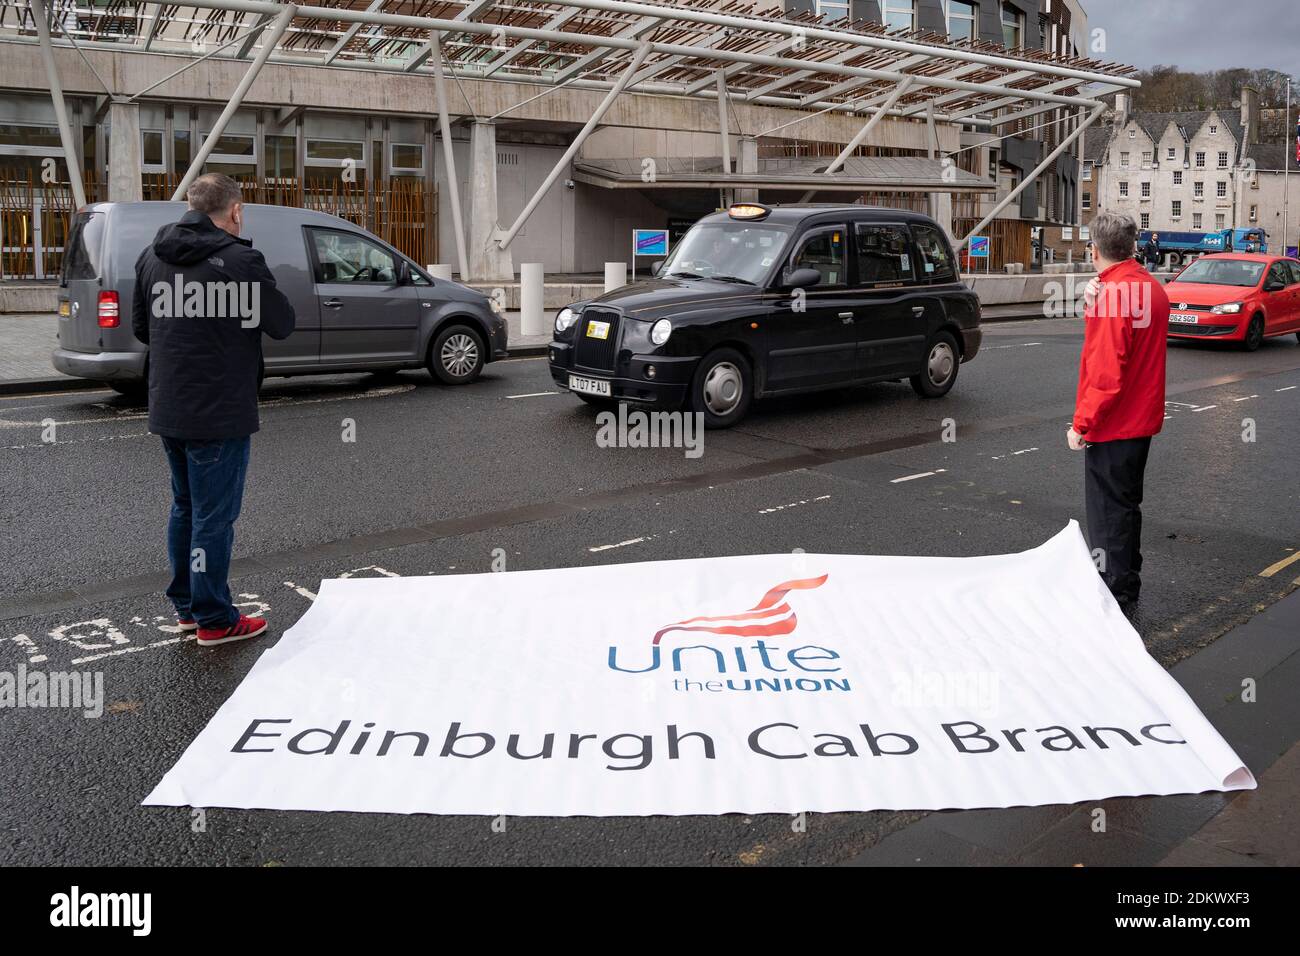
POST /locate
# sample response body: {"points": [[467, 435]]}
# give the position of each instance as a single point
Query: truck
{"points": [[1186, 246]]}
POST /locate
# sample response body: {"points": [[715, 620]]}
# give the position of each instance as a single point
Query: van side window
{"points": [[936, 256], [823, 250], [884, 254], [347, 257]]}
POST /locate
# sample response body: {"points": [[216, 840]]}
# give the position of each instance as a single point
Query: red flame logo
{"points": [[770, 617]]}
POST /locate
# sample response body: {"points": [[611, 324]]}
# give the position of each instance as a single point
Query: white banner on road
{"points": [[756, 684]]}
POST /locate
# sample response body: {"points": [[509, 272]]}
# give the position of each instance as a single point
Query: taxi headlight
{"points": [[564, 320], [660, 331], [1230, 308]]}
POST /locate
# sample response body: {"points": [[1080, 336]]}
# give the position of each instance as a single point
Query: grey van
{"points": [[361, 305]]}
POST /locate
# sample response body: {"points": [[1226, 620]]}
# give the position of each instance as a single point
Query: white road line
{"points": [[301, 590], [1246, 399], [1287, 389], [73, 441], [1204, 408], [1023, 451], [1182, 404], [793, 504], [534, 394], [620, 544], [924, 474], [132, 650], [1018, 345]]}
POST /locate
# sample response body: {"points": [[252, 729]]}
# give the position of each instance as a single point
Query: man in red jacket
{"points": [[1121, 399]]}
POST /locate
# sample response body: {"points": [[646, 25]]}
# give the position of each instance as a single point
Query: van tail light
{"points": [[110, 316]]}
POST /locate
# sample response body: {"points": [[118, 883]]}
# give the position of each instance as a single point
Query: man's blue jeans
{"points": [[207, 491]]}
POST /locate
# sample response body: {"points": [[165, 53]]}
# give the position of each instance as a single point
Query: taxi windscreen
{"points": [[728, 252]]}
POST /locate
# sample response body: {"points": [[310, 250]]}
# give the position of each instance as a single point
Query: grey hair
{"points": [[213, 194], [1115, 235]]}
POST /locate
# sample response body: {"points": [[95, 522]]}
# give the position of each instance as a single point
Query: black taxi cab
{"points": [[760, 300]]}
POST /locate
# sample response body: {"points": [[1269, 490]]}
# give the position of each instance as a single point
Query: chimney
{"points": [[1122, 101], [1250, 113]]}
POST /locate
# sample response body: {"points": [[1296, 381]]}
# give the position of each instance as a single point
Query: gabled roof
{"points": [[1189, 123]]}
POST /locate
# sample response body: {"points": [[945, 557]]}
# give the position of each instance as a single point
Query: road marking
{"points": [[620, 544], [74, 441], [1246, 399], [534, 394], [793, 504], [1023, 451], [1204, 408], [127, 416], [1287, 389], [924, 474], [1018, 345], [309, 595], [1273, 569], [1182, 404]]}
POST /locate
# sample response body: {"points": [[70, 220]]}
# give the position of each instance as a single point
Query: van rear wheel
{"points": [[457, 355]]}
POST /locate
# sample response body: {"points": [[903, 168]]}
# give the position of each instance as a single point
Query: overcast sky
{"points": [[1198, 35]]}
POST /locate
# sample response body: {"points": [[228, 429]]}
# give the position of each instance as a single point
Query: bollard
{"points": [[615, 275], [531, 298], [441, 270]]}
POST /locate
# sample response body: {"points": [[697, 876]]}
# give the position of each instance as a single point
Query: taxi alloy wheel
{"points": [[942, 360], [457, 355], [722, 388], [1254, 334]]}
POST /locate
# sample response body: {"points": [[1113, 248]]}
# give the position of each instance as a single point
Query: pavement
{"points": [[441, 477]]}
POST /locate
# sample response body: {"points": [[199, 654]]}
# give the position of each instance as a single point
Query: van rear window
{"points": [[81, 259]]}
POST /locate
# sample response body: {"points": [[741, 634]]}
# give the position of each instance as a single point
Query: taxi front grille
{"points": [[594, 353]]}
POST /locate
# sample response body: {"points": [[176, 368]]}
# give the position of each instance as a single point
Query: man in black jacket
{"points": [[203, 299]]}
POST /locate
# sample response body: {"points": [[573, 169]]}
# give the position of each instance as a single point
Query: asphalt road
{"points": [[438, 478]]}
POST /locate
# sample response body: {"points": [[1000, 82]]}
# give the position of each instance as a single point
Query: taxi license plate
{"points": [[597, 330], [1181, 318], [588, 386], [64, 309]]}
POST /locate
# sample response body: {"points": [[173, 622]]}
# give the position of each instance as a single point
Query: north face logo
{"points": [[217, 261]]}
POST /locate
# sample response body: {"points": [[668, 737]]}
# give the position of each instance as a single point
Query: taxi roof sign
{"points": [[748, 210]]}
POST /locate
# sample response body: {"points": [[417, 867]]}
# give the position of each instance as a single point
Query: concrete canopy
{"points": [[858, 174]]}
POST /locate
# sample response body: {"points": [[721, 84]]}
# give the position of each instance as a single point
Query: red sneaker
{"points": [[187, 624], [241, 630]]}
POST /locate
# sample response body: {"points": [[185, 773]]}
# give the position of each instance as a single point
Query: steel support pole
{"points": [[1033, 176], [724, 126], [40, 15], [638, 58], [899, 92], [448, 155], [269, 41]]}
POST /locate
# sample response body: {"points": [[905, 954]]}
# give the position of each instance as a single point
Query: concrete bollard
{"points": [[615, 275], [441, 270], [532, 291]]}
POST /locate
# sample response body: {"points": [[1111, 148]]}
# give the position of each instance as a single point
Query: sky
{"points": [[1199, 35]]}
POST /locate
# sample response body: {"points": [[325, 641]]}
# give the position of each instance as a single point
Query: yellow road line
{"points": [[1275, 568]]}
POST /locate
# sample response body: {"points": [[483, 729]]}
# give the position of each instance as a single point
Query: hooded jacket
{"points": [[203, 299], [1122, 369]]}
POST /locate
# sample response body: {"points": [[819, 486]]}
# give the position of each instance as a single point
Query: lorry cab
{"points": [[360, 305], [765, 300]]}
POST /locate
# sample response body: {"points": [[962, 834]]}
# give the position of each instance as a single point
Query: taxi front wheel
{"points": [[722, 388], [942, 360]]}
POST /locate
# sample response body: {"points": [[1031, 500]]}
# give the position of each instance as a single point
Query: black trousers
{"points": [[1113, 473]]}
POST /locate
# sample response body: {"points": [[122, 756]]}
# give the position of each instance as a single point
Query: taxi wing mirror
{"points": [[802, 278]]}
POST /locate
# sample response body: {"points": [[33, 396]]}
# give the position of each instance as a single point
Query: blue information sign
{"points": [[650, 242], [979, 247]]}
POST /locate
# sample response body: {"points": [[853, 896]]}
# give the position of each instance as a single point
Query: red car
{"points": [[1235, 297]]}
